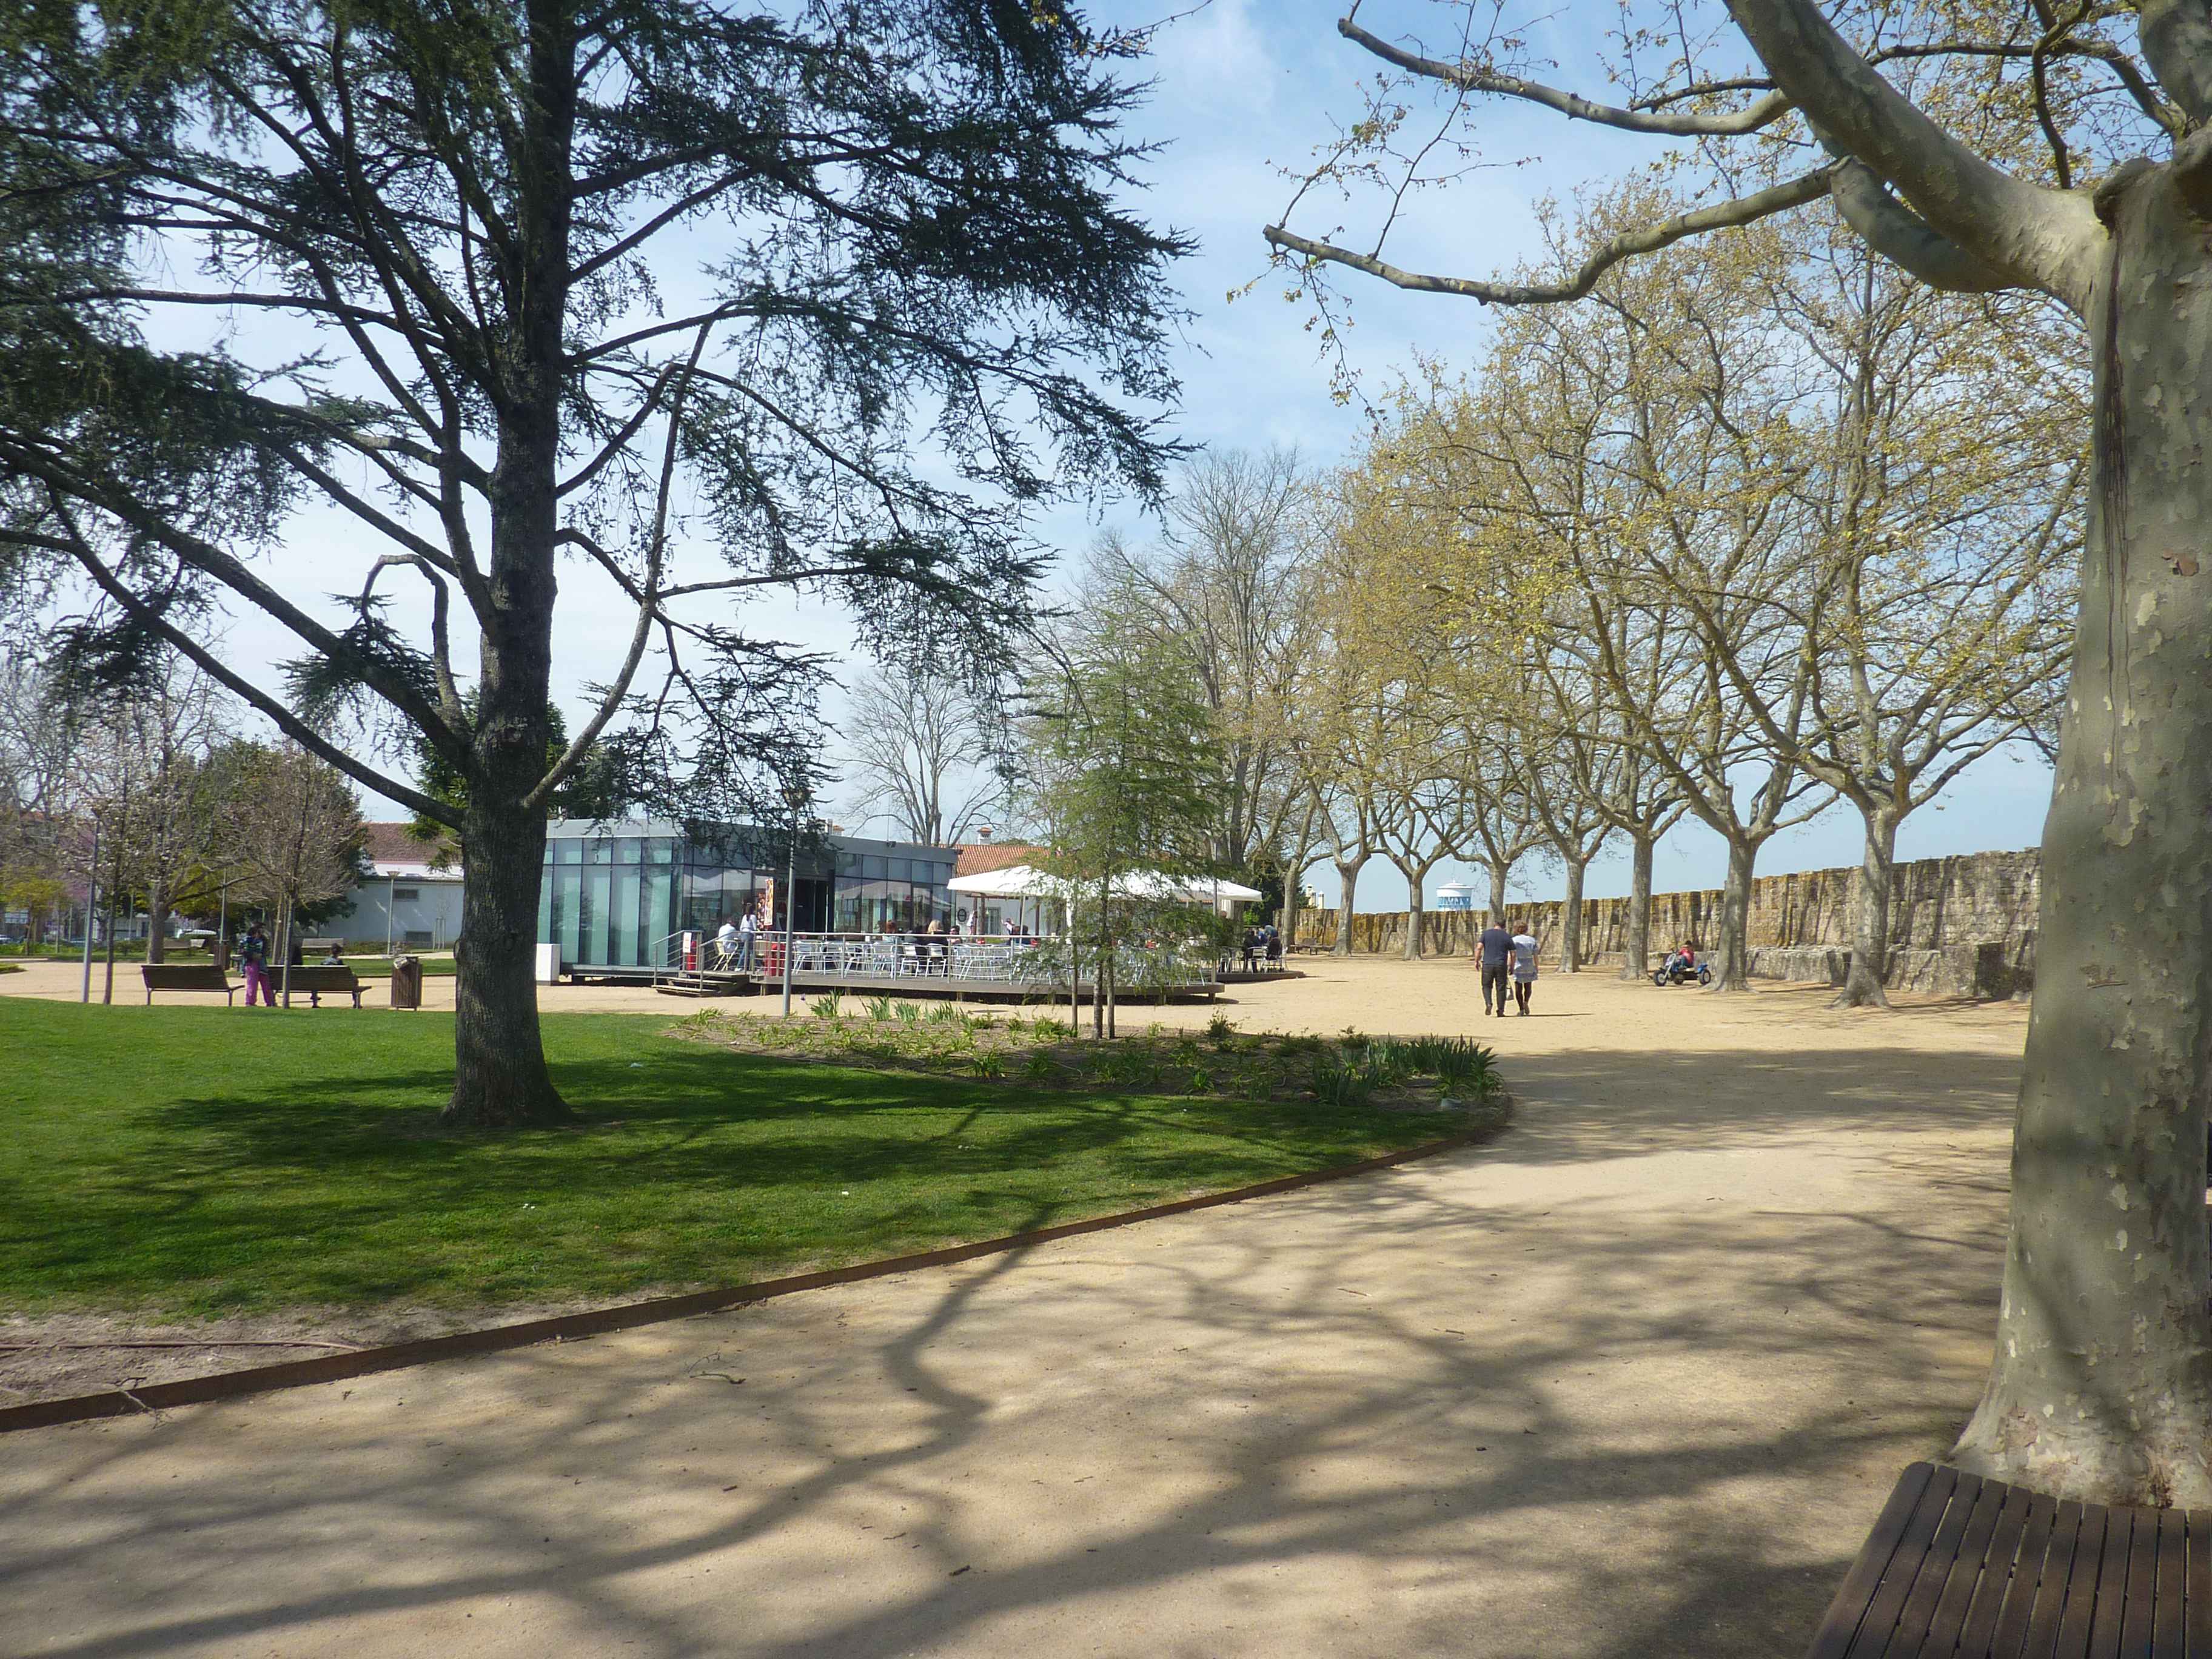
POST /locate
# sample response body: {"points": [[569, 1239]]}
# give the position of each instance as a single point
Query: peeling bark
{"points": [[1870, 968], [2102, 1385], [1348, 875], [1570, 920], [1637, 944], [1730, 954]]}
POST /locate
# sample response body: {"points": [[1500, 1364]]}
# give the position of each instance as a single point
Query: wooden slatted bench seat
{"points": [[319, 981], [184, 977], [1962, 1568]]}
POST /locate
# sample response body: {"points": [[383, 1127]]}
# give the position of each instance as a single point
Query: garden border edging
{"points": [[630, 1316]]}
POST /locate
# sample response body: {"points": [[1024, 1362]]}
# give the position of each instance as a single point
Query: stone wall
{"points": [[1964, 926]]}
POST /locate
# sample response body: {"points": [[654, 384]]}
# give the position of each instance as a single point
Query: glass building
{"points": [[615, 894]]}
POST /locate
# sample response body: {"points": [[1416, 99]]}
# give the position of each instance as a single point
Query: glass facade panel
{"points": [[567, 910], [598, 890], [657, 919], [568, 852], [622, 919]]}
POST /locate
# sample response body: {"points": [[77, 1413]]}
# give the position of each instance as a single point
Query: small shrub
{"points": [[1052, 1030], [1201, 1081], [1391, 1064], [1038, 1066], [1353, 1037], [909, 1014], [1339, 1082], [881, 1010], [1221, 1031], [989, 1065], [830, 1006], [948, 1013]]}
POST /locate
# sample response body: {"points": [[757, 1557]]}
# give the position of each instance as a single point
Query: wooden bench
{"points": [[184, 977], [320, 979], [1962, 1568]]}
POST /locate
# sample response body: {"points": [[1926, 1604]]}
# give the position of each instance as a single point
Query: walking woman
{"points": [[1524, 971]]}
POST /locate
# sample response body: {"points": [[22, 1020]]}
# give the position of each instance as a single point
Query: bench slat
{"points": [[2142, 1589], [1837, 1631], [2103, 1639], [1978, 1564], [2043, 1554], [1897, 1582], [2002, 1570], [2167, 1634], [1941, 1565], [2197, 1598], [2078, 1586]]}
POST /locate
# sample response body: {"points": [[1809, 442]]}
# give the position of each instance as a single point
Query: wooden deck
{"points": [[1962, 1568], [903, 985]]}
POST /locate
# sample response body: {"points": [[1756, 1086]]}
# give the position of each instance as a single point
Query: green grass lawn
{"points": [[190, 1161]]}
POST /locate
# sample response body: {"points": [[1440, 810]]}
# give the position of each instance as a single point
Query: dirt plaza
{"points": [[1631, 1380]]}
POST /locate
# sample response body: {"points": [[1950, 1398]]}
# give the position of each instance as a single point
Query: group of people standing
{"points": [[1507, 958]]}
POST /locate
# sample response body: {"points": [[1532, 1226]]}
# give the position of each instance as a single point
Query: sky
{"points": [[1241, 91]]}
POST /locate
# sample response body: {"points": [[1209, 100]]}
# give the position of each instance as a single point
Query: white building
{"points": [[406, 905]]}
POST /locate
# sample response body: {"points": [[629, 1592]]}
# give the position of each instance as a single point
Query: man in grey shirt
{"points": [[1496, 947]]}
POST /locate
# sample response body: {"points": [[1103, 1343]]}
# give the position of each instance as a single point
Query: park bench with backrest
{"points": [[320, 979], [1959, 1567], [184, 977]]}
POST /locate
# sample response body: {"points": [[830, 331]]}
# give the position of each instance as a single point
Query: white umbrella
{"points": [[1015, 881], [1027, 881]]}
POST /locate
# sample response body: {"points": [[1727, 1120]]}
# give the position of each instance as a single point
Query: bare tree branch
{"points": [[1472, 77], [1740, 210]]}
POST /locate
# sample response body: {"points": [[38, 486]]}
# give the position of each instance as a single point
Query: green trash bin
{"points": [[407, 981]]}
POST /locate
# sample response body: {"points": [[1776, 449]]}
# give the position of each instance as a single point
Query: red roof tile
{"points": [[975, 857]]}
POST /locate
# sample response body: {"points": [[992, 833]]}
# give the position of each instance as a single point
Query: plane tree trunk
{"points": [[1869, 967], [1348, 875], [1570, 920], [2102, 1385], [1636, 945], [1731, 951]]}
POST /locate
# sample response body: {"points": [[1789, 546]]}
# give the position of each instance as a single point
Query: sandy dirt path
{"points": [[1631, 1382]]}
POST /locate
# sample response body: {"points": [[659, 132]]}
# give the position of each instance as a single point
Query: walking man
{"points": [[1524, 971], [254, 958], [1496, 947]]}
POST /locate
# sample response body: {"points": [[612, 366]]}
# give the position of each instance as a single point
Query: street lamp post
{"points": [[794, 796]]}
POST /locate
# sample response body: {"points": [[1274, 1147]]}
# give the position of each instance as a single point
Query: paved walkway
{"points": [[1632, 1382]]}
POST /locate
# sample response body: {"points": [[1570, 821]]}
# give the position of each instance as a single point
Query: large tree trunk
{"points": [[1570, 919], [1870, 969], [1414, 944], [1731, 952], [1636, 946], [500, 1076], [2102, 1385], [1348, 875], [1497, 874]]}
